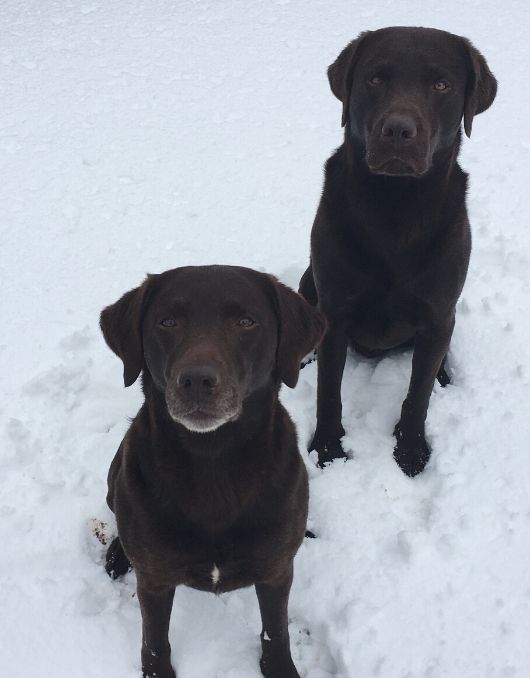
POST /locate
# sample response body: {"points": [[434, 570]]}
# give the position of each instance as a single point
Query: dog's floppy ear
{"points": [[340, 74], [481, 86], [121, 324], [301, 327]]}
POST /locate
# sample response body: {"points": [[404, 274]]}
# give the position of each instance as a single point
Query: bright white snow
{"points": [[141, 136]]}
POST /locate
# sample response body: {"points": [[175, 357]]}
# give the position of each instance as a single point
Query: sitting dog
{"points": [[208, 486], [391, 241]]}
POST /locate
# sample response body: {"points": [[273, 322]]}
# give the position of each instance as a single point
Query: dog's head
{"points": [[210, 336], [404, 92]]}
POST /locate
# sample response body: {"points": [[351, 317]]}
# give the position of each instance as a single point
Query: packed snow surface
{"points": [[141, 136]]}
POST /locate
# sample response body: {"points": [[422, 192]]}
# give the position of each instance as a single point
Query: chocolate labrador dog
{"points": [[208, 486], [391, 241]]}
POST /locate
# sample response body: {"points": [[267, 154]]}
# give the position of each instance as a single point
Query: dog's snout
{"points": [[398, 128], [198, 379], [202, 396]]}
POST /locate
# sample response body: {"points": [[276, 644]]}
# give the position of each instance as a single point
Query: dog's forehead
{"points": [[401, 46], [213, 286]]}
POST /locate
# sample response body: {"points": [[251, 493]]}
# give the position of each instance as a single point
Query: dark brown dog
{"points": [[208, 486], [391, 241]]}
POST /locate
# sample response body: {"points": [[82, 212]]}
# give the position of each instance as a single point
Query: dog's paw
{"points": [[152, 673], [411, 452], [442, 377], [116, 562], [274, 665], [158, 673], [328, 449], [156, 664]]}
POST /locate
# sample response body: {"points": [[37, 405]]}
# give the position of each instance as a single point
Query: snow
{"points": [[137, 137]]}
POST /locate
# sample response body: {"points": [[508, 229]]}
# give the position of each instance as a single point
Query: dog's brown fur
{"points": [[208, 486], [391, 241]]}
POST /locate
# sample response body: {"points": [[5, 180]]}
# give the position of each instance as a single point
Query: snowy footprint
{"points": [[310, 651]]}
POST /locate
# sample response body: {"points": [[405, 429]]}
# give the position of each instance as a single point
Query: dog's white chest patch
{"points": [[215, 574]]}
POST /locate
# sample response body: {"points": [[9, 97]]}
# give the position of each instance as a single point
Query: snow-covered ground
{"points": [[140, 136]]}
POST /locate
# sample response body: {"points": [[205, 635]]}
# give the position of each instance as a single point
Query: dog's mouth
{"points": [[201, 419], [396, 157], [396, 167]]}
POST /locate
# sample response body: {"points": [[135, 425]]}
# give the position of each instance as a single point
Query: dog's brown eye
{"points": [[245, 322], [441, 86], [168, 322], [375, 81]]}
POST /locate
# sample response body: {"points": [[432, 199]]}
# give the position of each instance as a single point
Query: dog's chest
{"points": [[205, 576], [215, 575], [220, 577], [193, 558], [217, 578], [214, 499], [381, 317]]}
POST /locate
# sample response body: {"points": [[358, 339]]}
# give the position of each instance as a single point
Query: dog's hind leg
{"points": [[442, 376], [116, 562], [308, 290], [307, 287]]}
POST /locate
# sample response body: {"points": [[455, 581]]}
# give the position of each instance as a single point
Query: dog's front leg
{"points": [[331, 358], [155, 605], [276, 660], [430, 348]]}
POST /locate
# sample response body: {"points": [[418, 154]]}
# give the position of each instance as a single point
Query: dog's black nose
{"points": [[198, 379], [399, 127]]}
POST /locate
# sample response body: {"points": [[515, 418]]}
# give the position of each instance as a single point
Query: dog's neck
{"points": [[208, 479], [400, 211]]}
